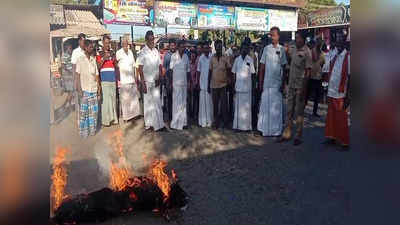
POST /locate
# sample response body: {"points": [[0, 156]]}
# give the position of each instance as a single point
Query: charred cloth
{"points": [[142, 195]]}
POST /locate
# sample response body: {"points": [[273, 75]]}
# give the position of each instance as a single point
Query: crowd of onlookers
{"points": [[175, 85]]}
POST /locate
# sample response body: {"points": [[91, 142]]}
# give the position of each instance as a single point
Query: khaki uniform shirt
{"points": [[300, 61], [219, 69], [316, 70]]}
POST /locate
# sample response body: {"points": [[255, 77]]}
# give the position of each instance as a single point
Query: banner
{"points": [[251, 19], [286, 20], [175, 14], [330, 16], [216, 17], [133, 12], [290, 3], [302, 21]]}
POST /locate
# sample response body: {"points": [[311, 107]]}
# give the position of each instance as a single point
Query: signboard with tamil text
{"points": [[286, 20], [330, 16], [175, 14], [216, 17], [133, 12], [253, 19], [290, 3]]}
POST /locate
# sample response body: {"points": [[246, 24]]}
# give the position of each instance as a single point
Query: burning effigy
{"points": [[157, 192]]}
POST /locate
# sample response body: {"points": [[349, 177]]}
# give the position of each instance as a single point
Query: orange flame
{"points": [[59, 177], [160, 177], [120, 172]]}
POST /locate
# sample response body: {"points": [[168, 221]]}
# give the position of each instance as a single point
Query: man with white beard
{"points": [[128, 93], [271, 83], [205, 103], [180, 68]]}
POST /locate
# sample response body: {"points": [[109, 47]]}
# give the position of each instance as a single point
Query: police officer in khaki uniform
{"points": [[300, 71]]}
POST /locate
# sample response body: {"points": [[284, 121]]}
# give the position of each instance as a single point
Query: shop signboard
{"points": [[286, 20], [133, 12], [216, 17], [329, 16], [252, 19], [175, 14], [291, 3], [302, 21]]}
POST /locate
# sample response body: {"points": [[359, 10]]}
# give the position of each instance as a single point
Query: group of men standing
{"points": [[210, 80], [96, 82]]}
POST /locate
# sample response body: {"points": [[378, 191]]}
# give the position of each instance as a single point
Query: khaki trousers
{"points": [[295, 108]]}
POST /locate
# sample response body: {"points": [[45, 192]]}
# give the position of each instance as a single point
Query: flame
{"points": [[59, 177], [120, 172], [119, 177], [116, 142], [160, 177]]}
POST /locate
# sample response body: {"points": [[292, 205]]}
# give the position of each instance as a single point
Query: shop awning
{"points": [[80, 21]]}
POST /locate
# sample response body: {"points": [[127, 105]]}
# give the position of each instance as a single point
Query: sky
{"points": [[346, 2]]}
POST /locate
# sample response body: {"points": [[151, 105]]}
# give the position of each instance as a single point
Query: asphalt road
{"points": [[231, 178]]}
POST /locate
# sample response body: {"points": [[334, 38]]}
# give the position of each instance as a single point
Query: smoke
{"points": [[103, 154]]}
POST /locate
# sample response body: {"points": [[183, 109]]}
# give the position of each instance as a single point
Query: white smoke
{"points": [[103, 154]]}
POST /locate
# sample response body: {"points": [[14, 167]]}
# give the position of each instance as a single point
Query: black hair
{"points": [[277, 30], [180, 42], [106, 37], [81, 36], [247, 41], [88, 42], [170, 41], [302, 35], [193, 52], [217, 42], [148, 34]]}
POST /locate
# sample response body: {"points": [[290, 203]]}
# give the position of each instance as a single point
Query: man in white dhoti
{"points": [[205, 103], [149, 70], [180, 68], [270, 117], [243, 69], [128, 91]]}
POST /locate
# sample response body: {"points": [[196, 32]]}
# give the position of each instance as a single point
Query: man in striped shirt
{"points": [[106, 61]]}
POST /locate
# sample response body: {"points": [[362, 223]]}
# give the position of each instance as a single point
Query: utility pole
{"points": [[132, 33]]}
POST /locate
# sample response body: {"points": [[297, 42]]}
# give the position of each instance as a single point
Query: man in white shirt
{"points": [[89, 90], [128, 91], [150, 69], [179, 65], [77, 53], [336, 128], [271, 84], [243, 70], [205, 102]]}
